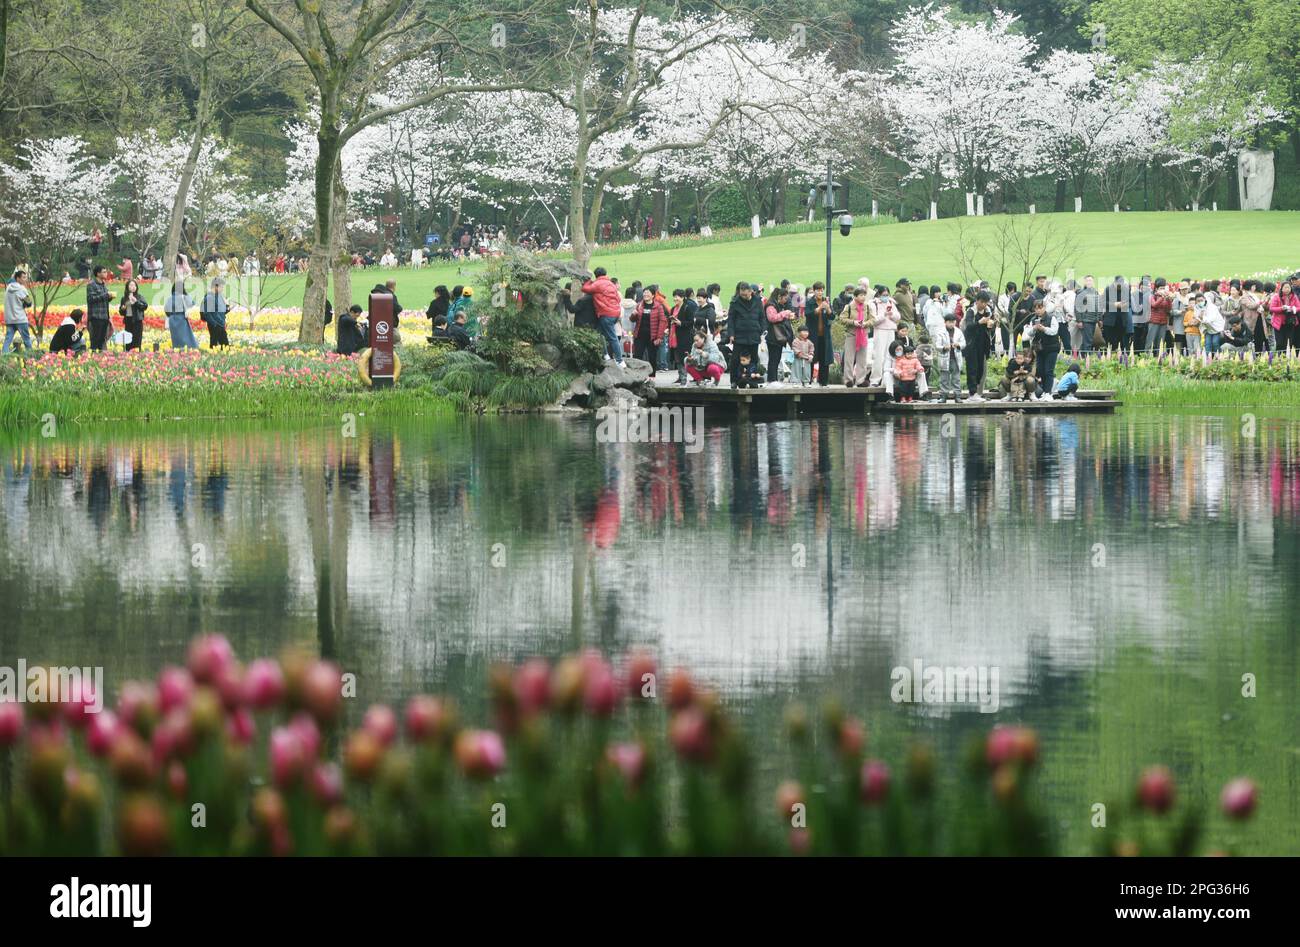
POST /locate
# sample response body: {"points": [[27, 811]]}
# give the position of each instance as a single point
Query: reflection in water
{"points": [[1122, 573]]}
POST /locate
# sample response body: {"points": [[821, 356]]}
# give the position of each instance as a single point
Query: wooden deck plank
{"points": [[1081, 406]]}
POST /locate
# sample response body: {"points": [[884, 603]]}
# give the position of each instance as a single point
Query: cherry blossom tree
{"points": [[53, 194], [962, 96]]}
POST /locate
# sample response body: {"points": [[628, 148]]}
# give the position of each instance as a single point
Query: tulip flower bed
{"points": [[233, 382], [580, 758]]}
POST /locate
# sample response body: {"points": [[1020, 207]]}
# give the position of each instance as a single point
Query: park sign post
{"points": [[382, 319]]}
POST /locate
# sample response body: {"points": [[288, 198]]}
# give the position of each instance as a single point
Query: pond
{"points": [[1128, 583]]}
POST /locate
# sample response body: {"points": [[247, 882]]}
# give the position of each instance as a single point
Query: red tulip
{"points": [[1155, 791], [322, 690], [381, 722], [874, 782], [264, 683], [101, 732], [1239, 798], [681, 689], [532, 686], [209, 655], [174, 688], [1006, 744], [852, 737], [229, 683], [800, 841], [639, 671], [427, 718], [691, 736], [11, 723]]}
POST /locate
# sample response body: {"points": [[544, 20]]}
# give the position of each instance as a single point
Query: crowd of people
{"points": [[918, 342]]}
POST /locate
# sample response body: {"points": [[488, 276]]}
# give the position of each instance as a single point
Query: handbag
{"points": [[781, 332]]}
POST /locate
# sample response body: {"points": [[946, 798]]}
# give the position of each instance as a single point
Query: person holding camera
{"points": [[1043, 332]]}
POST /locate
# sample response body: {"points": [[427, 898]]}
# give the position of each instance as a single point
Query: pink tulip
{"points": [[629, 760], [1155, 790], [322, 690], [681, 689], [874, 782], [264, 683], [287, 755], [1239, 798], [691, 736], [600, 691], [480, 753], [78, 704], [240, 726], [308, 734], [427, 718], [174, 736], [101, 731], [174, 688], [137, 704], [325, 781], [381, 722], [229, 684], [532, 686], [11, 723], [208, 656]]}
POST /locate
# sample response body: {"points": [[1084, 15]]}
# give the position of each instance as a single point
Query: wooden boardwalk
{"points": [[795, 401]]}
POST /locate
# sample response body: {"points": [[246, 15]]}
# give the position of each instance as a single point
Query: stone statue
{"points": [[1255, 179]]}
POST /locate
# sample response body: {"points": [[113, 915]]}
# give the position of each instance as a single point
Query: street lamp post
{"points": [[846, 220]]}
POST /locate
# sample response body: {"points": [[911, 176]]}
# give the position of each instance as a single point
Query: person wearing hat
{"points": [[905, 300], [465, 303]]}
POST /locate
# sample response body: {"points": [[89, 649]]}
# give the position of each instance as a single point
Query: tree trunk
{"points": [[1059, 204], [311, 331], [341, 262], [181, 199]]}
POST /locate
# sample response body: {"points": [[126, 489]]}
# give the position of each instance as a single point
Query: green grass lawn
{"points": [[1174, 245]]}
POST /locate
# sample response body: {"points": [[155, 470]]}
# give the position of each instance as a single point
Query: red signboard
{"points": [[382, 328]]}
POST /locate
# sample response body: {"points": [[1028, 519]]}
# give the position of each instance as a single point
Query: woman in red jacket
{"points": [[650, 326]]}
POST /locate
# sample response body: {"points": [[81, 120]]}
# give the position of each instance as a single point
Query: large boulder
{"points": [[619, 398], [549, 352], [579, 390], [633, 373]]}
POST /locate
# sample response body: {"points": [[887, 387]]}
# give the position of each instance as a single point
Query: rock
{"points": [[549, 352], [578, 392], [617, 399], [634, 372]]}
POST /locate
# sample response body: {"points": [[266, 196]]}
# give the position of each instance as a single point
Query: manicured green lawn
{"points": [[1174, 245]]}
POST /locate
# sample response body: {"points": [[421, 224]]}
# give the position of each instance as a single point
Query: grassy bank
{"points": [[1191, 382], [1175, 245]]}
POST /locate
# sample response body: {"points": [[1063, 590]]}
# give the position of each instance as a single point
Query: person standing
{"points": [[18, 299], [884, 320], [1044, 332], [780, 332], [856, 319], [1162, 304], [650, 327], [214, 311], [97, 299], [978, 328], [1115, 322], [819, 321], [905, 300], [132, 310], [609, 309], [177, 308], [745, 324]]}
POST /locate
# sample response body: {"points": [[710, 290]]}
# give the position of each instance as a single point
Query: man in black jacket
{"points": [[97, 300], [745, 324]]}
